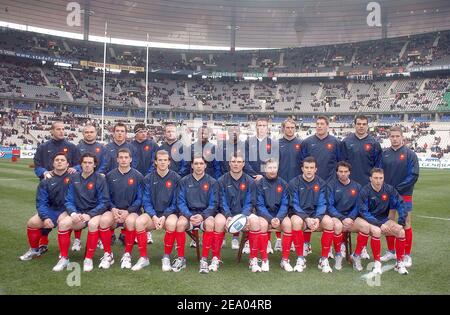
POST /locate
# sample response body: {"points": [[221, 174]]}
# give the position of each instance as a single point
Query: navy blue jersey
{"points": [[95, 148], [272, 199], [257, 153], [401, 169], [342, 199], [327, 152], [178, 165], [50, 195], [160, 193], [111, 150], [208, 151], [236, 196], [43, 159], [363, 154], [125, 190], [374, 206], [290, 158], [308, 199], [198, 197], [144, 155], [87, 195]]}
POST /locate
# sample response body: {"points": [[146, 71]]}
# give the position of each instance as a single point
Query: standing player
{"points": [[327, 151], [86, 200], [401, 168], [375, 202], [290, 158], [176, 150], [49, 204], [343, 210], [208, 150], [272, 204], [119, 142], [236, 197], [198, 199], [125, 186], [159, 202], [89, 144], [143, 150], [43, 163], [309, 206]]}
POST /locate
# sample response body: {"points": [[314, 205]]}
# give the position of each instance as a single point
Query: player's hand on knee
{"points": [[347, 222], [85, 218], [275, 222], [385, 229], [48, 224]]}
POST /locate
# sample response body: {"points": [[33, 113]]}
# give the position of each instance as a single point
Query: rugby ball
{"points": [[237, 223]]}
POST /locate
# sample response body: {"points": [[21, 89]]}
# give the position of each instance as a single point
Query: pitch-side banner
{"points": [[92, 64], [430, 162], [8, 152], [27, 154]]}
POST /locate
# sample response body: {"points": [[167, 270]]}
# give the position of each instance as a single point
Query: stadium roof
{"points": [[257, 23]]}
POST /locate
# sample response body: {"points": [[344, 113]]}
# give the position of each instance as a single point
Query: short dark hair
{"points": [[120, 124], [309, 159], [396, 128], [323, 118], [361, 117], [197, 156], [56, 122], [161, 152], [123, 150], [89, 155], [58, 154], [376, 170], [344, 164]]}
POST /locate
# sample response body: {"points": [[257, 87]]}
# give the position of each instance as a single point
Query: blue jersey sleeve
{"points": [[363, 207], [102, 193], [42, 203], [137, 202], [261, 204], [213, 202], [413, 175], [182, 203]]}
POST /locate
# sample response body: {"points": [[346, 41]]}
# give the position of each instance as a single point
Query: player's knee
{"points": [[327, 223], [364, 228], [376, 232]]}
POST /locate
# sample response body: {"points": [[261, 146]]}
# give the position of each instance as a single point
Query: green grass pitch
{"points": [[430, 273]]}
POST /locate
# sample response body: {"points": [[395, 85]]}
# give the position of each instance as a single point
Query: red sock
{"points": [[327, 240], [169, 239], [44, 240], [361, 241], [208, 237], [77, 234], [34, 235], [400, 248], [181, 241], [142, 242], [298, 239], [253, 240], [307, 237], [64, 242], [278, 234], [217, 243], [390, 240], [408, 241], [105, 236], [129, 240], [376, 248], [91, 243], [337, 241], [263, 240], [286, 241]]}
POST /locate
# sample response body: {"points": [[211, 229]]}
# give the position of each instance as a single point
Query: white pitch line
{"points": [[436, 218]]}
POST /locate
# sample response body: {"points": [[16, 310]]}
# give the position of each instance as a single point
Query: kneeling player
{"points": [[272, 204], [236, 197], [198, 199], [87, 198], [343, 209], [375, 201], [309, 205], [159, 202], [125, 186], [49, 204]]}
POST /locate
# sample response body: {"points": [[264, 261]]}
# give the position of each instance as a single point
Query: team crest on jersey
{"points": [[353, 192], [205, 187], [367, 146], [384, 197], [90, 186], [65, 150], [316, 188], [242, 186], [147, 148], [268, 146], [66, 180], [97, 150], [402, 157], [130, 181], [168, 184], [330, 146], [279, 189], [297, 147]]}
